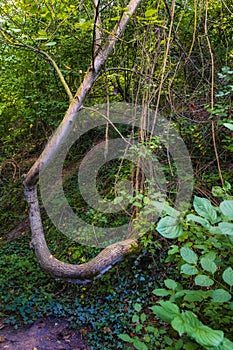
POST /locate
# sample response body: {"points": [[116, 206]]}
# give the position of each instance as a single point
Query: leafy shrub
{"points": [[203, 294]]}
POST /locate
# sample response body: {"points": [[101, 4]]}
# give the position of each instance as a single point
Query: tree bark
{"points": [[93, 269]]}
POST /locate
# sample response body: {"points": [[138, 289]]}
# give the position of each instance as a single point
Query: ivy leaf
{"points": [[137, 307], [189, 269], [208, 265], [143, 317], [221, 295], [226, 208], [169, 228], [228, 276], [204, 208], [203, 281], [189, 255], [135, 318]]}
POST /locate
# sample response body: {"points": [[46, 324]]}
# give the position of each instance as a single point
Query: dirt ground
{"points": [[44, 334]]}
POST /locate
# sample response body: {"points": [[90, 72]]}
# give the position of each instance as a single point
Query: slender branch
{"points": [[96, 42], [164, 62], [44, 54], [212, 94]]}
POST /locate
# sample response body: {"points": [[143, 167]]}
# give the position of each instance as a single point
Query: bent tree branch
{"points": [[104, 261]]}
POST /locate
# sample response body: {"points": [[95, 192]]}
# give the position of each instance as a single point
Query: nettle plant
{"points": [[203, 256]]}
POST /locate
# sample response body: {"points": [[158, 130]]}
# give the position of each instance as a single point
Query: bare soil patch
{"points": [[44, 334]]}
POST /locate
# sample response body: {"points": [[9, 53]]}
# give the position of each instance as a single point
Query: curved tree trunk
{"points": [[83, 273], [93, 269]]}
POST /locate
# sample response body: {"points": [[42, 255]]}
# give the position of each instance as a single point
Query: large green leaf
{"points": [[221, 296], [208, 337], [226, 208], [169, 228], [203, 281], [204, 208], [188, 255], [188, 323], [208, 265], [226, 228], [228, 276]]}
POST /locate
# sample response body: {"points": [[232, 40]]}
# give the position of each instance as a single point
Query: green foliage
{"points": [[194, 275], [202, 291]]}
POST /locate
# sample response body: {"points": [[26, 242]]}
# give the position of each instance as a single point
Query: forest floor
{"points": [[44, 334]]}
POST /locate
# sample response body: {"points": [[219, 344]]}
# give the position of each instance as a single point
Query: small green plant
{"points": [[146, 335]]}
